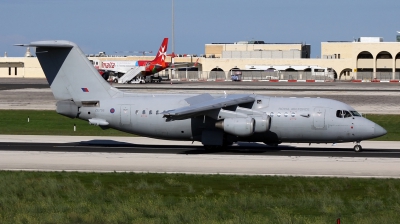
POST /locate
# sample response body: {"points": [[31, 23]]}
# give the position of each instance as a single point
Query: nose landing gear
{"points": [[357, 147]]}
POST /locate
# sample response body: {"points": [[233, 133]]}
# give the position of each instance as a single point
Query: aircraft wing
{"points": [[203, 103]]}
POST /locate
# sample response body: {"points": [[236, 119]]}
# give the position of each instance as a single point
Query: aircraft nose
{"points": [[379, 131]]}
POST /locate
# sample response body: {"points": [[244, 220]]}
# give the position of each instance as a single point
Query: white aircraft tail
{"points": [[130, 74], [70, 74]]}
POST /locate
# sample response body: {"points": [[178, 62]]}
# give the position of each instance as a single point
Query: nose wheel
{"points": [[357, 147]]}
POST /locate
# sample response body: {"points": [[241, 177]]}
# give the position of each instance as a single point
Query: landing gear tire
{"points": [[357, 148]]}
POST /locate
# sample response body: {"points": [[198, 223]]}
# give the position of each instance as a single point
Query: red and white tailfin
{"points": [[162, 52]]}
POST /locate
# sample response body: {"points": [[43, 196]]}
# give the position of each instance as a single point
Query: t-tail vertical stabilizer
{"points": [[70, 74]]}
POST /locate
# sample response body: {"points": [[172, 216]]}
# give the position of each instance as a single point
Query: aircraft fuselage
{"points": [[292, 119]]}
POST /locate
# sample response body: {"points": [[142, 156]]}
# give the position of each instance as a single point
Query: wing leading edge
{"points": [[202, 106]]}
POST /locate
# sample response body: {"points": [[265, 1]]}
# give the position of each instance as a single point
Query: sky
{"points": [[140, 25]]}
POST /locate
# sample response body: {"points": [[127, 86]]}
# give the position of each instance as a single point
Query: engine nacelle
{"points": [[263, 123], [237, 126], [67, 108]]}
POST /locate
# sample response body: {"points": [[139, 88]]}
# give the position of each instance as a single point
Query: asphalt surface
{"points": [[18, 83], [381, 98], [252, 149], [367, 98]]}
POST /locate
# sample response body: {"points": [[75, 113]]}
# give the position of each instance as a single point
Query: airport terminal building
{"points": [[365, 58]]}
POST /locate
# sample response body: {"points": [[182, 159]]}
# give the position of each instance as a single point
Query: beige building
{"points": [[366, 58]]}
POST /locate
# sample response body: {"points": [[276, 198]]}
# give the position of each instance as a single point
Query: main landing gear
{"points": [[357, 147]]}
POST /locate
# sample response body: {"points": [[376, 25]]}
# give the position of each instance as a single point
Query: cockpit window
{"points": [[343, 114], [355, 113], [347, 114]]}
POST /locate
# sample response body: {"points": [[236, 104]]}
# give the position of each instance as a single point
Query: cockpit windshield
{"points": [[343, 114], [355, 113]]}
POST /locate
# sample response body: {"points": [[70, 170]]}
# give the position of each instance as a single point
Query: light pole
{"points": [[173, 42]]}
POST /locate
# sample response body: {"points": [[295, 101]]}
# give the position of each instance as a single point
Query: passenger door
{"points": [[125, 115], [319, 118]]}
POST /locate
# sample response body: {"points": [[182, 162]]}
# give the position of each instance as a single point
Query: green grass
{"points": [[390, 122], [14, 122], [61, 197]]}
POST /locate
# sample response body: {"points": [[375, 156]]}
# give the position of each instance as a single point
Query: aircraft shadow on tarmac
{"points": [[241, 148], [111, 146], [187, 149]]}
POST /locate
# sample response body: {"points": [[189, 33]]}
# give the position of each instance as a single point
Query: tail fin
{"points": [[162, 52], [69, 73]]}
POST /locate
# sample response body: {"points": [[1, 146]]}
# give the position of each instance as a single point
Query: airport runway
{"points": [[367, 98], [105, 154], [138, 154]]}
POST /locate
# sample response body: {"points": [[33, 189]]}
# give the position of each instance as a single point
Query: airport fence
{"points": [[247, 75], [382, 76]]}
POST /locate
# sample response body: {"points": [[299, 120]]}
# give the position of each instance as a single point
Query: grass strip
{"points": [[15, 122], [63, 197]]}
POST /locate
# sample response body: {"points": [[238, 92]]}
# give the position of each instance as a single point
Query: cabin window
{"points": [[286, 114], [259, 101], [293, 114], [150, 112], [271, 114], [156, 111], [144, 112], [279, 114], [137, 111]]}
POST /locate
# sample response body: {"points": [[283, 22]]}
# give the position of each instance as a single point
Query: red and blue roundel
{"points": [[112, 110]]}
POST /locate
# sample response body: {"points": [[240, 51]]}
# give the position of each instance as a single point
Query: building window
{"points": [[15, 71], [9, 70]]}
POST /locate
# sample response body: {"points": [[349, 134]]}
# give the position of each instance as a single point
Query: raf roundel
{"points": [[112, 110]]}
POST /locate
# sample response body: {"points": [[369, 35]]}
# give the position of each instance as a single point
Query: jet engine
{"points": [[67, 108], [237, 126], [263, 123]]}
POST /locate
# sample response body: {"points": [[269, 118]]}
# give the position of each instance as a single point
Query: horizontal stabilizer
{"points": [[50, 43]]}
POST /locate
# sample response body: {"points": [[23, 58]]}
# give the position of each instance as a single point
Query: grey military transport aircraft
{"points": [[214, 120]]}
